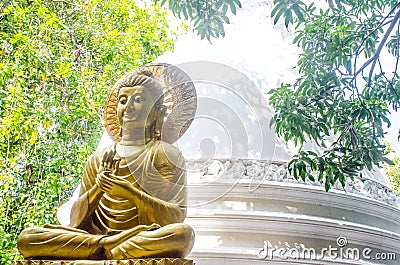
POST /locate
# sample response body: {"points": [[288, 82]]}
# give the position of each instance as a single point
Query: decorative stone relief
{"points": [[258, 170]]}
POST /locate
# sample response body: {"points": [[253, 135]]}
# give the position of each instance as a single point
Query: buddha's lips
{"points": [[130, 117]]}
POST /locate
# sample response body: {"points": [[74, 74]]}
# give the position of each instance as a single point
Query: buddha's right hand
{"points": [[109, 165], [110, 162]]}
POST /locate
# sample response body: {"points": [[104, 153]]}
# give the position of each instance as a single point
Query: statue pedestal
{"points": [[160, 261]]}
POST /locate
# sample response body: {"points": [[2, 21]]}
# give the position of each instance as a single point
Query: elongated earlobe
{"points": [[159, 121]]}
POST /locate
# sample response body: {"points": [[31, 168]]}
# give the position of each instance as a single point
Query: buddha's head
{"points": [[158, 99], [139, 103]]}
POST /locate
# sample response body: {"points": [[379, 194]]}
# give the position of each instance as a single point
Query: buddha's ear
{"points": [[160, 114]]}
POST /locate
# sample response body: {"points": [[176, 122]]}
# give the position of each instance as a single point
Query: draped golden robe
{"points": [[158, 171]]}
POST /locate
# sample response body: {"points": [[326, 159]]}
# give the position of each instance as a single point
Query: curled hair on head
{"points": [[142, 77], [143, 71]]}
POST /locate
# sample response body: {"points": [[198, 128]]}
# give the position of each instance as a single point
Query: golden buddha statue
{"points": [[132, 197]]}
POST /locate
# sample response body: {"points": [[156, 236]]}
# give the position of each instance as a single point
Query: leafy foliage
{"points": [[209, 17], [57, 62], [393, 171], [343, 92], [287, 8]]}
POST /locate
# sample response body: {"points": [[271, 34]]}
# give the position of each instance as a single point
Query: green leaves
{"points": [[57, 63], [393, 44], [339, 102], [332, 166], [393, 170], [288, 9], [209, 17]]}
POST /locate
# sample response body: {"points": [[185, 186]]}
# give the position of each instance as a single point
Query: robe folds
{"points": [[158, 170]]}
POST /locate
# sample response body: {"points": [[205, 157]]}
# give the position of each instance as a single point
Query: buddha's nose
{"points": [[130, 106]]}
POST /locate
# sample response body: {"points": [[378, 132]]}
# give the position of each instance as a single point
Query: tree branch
{"points": [[362, 68], [387, 80], [378, 51], [380, 25], [398, 51]]}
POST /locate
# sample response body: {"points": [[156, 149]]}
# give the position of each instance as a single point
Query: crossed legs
{"points": [[58, 242]]}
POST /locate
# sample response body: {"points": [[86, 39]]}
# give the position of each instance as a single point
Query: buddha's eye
{"points": [[139, 99], [122, 100]]}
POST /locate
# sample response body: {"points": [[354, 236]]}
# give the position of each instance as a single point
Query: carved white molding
{"points": [[259, 171], [248, 257], [290, 225]]}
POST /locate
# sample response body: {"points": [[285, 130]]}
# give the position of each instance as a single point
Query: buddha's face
{"points": [[135, 107]]}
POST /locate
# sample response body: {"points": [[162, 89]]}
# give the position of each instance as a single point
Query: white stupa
{"points": [[243, 205]]}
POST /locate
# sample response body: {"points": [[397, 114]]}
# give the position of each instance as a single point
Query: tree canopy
{"points": [[344, 90], [58, 60]]}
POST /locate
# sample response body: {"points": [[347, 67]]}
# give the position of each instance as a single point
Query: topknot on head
{"points": [[143, 71]]}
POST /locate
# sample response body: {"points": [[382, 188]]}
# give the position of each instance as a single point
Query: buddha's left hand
{"points": [[117, 186]]}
